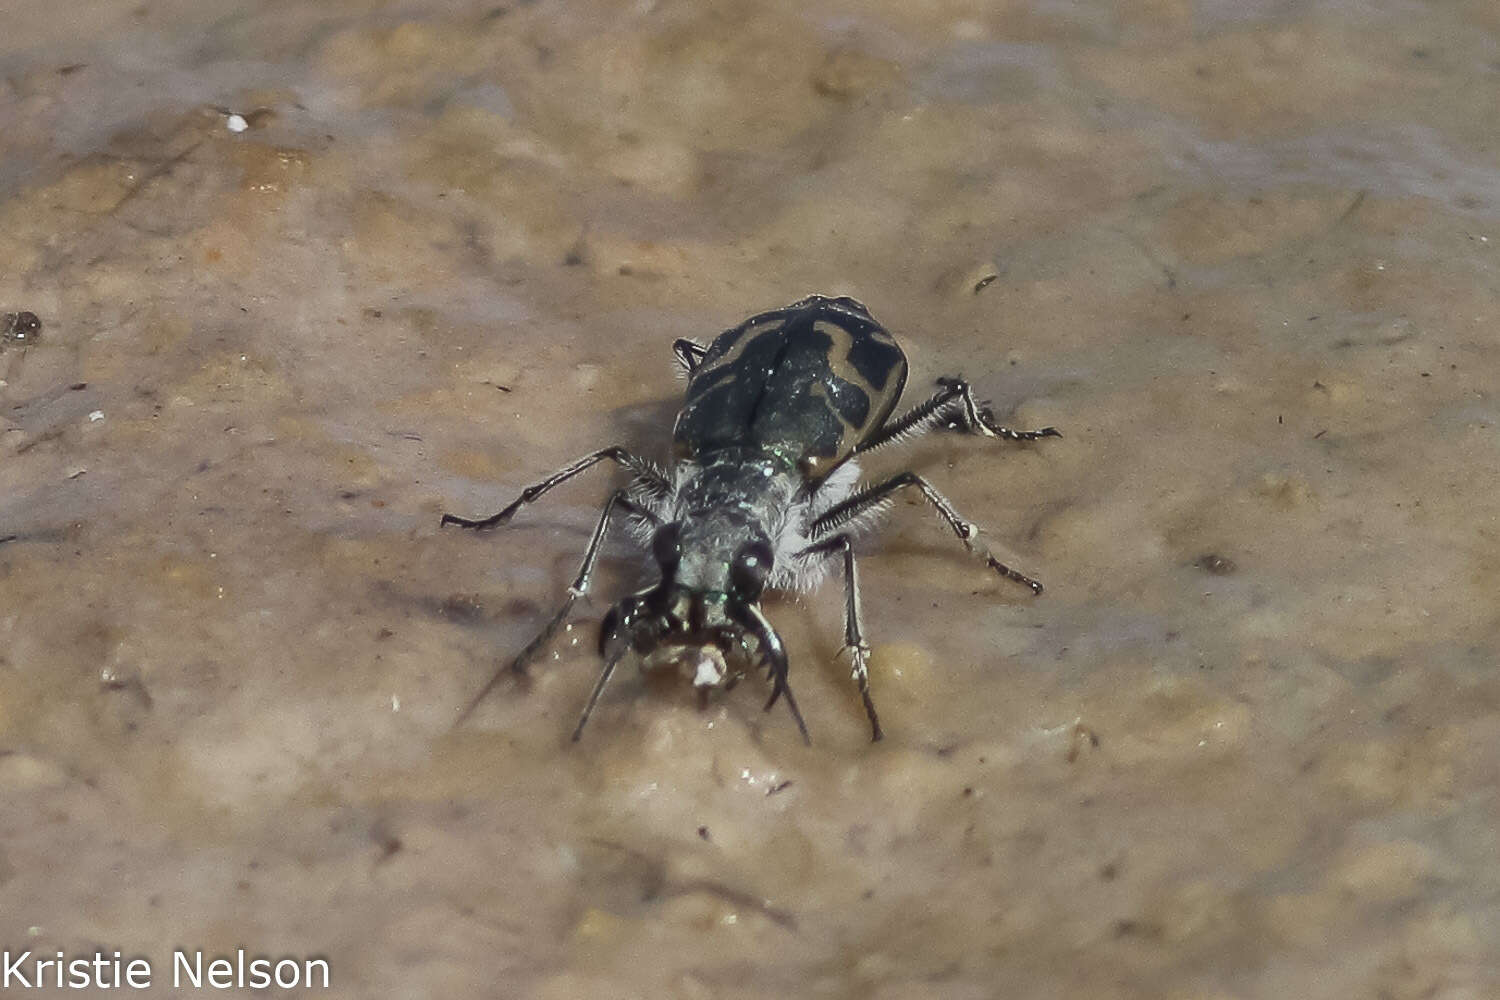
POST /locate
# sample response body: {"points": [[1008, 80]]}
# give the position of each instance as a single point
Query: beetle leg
{"points": [[954, 400], [854, 639], [689, 354], [577, 589], [650, 478], [967, 531]]}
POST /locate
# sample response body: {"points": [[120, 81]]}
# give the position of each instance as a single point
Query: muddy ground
{"points": [[311, 274]]}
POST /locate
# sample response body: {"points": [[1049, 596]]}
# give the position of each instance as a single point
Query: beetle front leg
{"points": [[854, 639], [967, 531], [646, 473], [980, 419], [577, 589]]}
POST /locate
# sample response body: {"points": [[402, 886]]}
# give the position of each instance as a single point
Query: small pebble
{"points": [[1212, 562]]}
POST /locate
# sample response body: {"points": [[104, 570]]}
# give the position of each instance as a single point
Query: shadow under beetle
{"points": [[761, 492]]}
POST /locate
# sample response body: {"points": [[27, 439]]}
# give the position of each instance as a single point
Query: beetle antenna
{"points": [[588, 710]]}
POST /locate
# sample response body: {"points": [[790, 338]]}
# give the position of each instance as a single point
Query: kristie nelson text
{"points": [[190, 970]]}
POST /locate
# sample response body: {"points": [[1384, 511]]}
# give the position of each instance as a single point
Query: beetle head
{"points": [[707, 598], [703, 617], [724, 557]]}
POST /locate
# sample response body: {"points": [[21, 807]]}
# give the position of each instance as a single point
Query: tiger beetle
{"points": [[761, 492]]}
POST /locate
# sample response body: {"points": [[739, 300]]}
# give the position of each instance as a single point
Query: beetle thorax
{"points": [[721, 505], [709, 543]]}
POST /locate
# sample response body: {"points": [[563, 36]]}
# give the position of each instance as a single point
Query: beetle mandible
{"points": [[762, 493]]}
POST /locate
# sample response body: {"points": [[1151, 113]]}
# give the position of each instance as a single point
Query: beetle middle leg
{"points": [[954, 400], [579, 587], [854, 639], [967, 531], [648, 478]]}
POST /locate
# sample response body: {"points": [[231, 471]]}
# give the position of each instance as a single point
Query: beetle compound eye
{"points": [[751, 569], [666, 546]]}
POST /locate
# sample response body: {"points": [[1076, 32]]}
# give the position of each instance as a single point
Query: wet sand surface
{"points": [[1246, 744]]}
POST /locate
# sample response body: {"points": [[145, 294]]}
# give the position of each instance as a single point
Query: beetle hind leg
{"points": [[977, 418], [953, 405]]}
